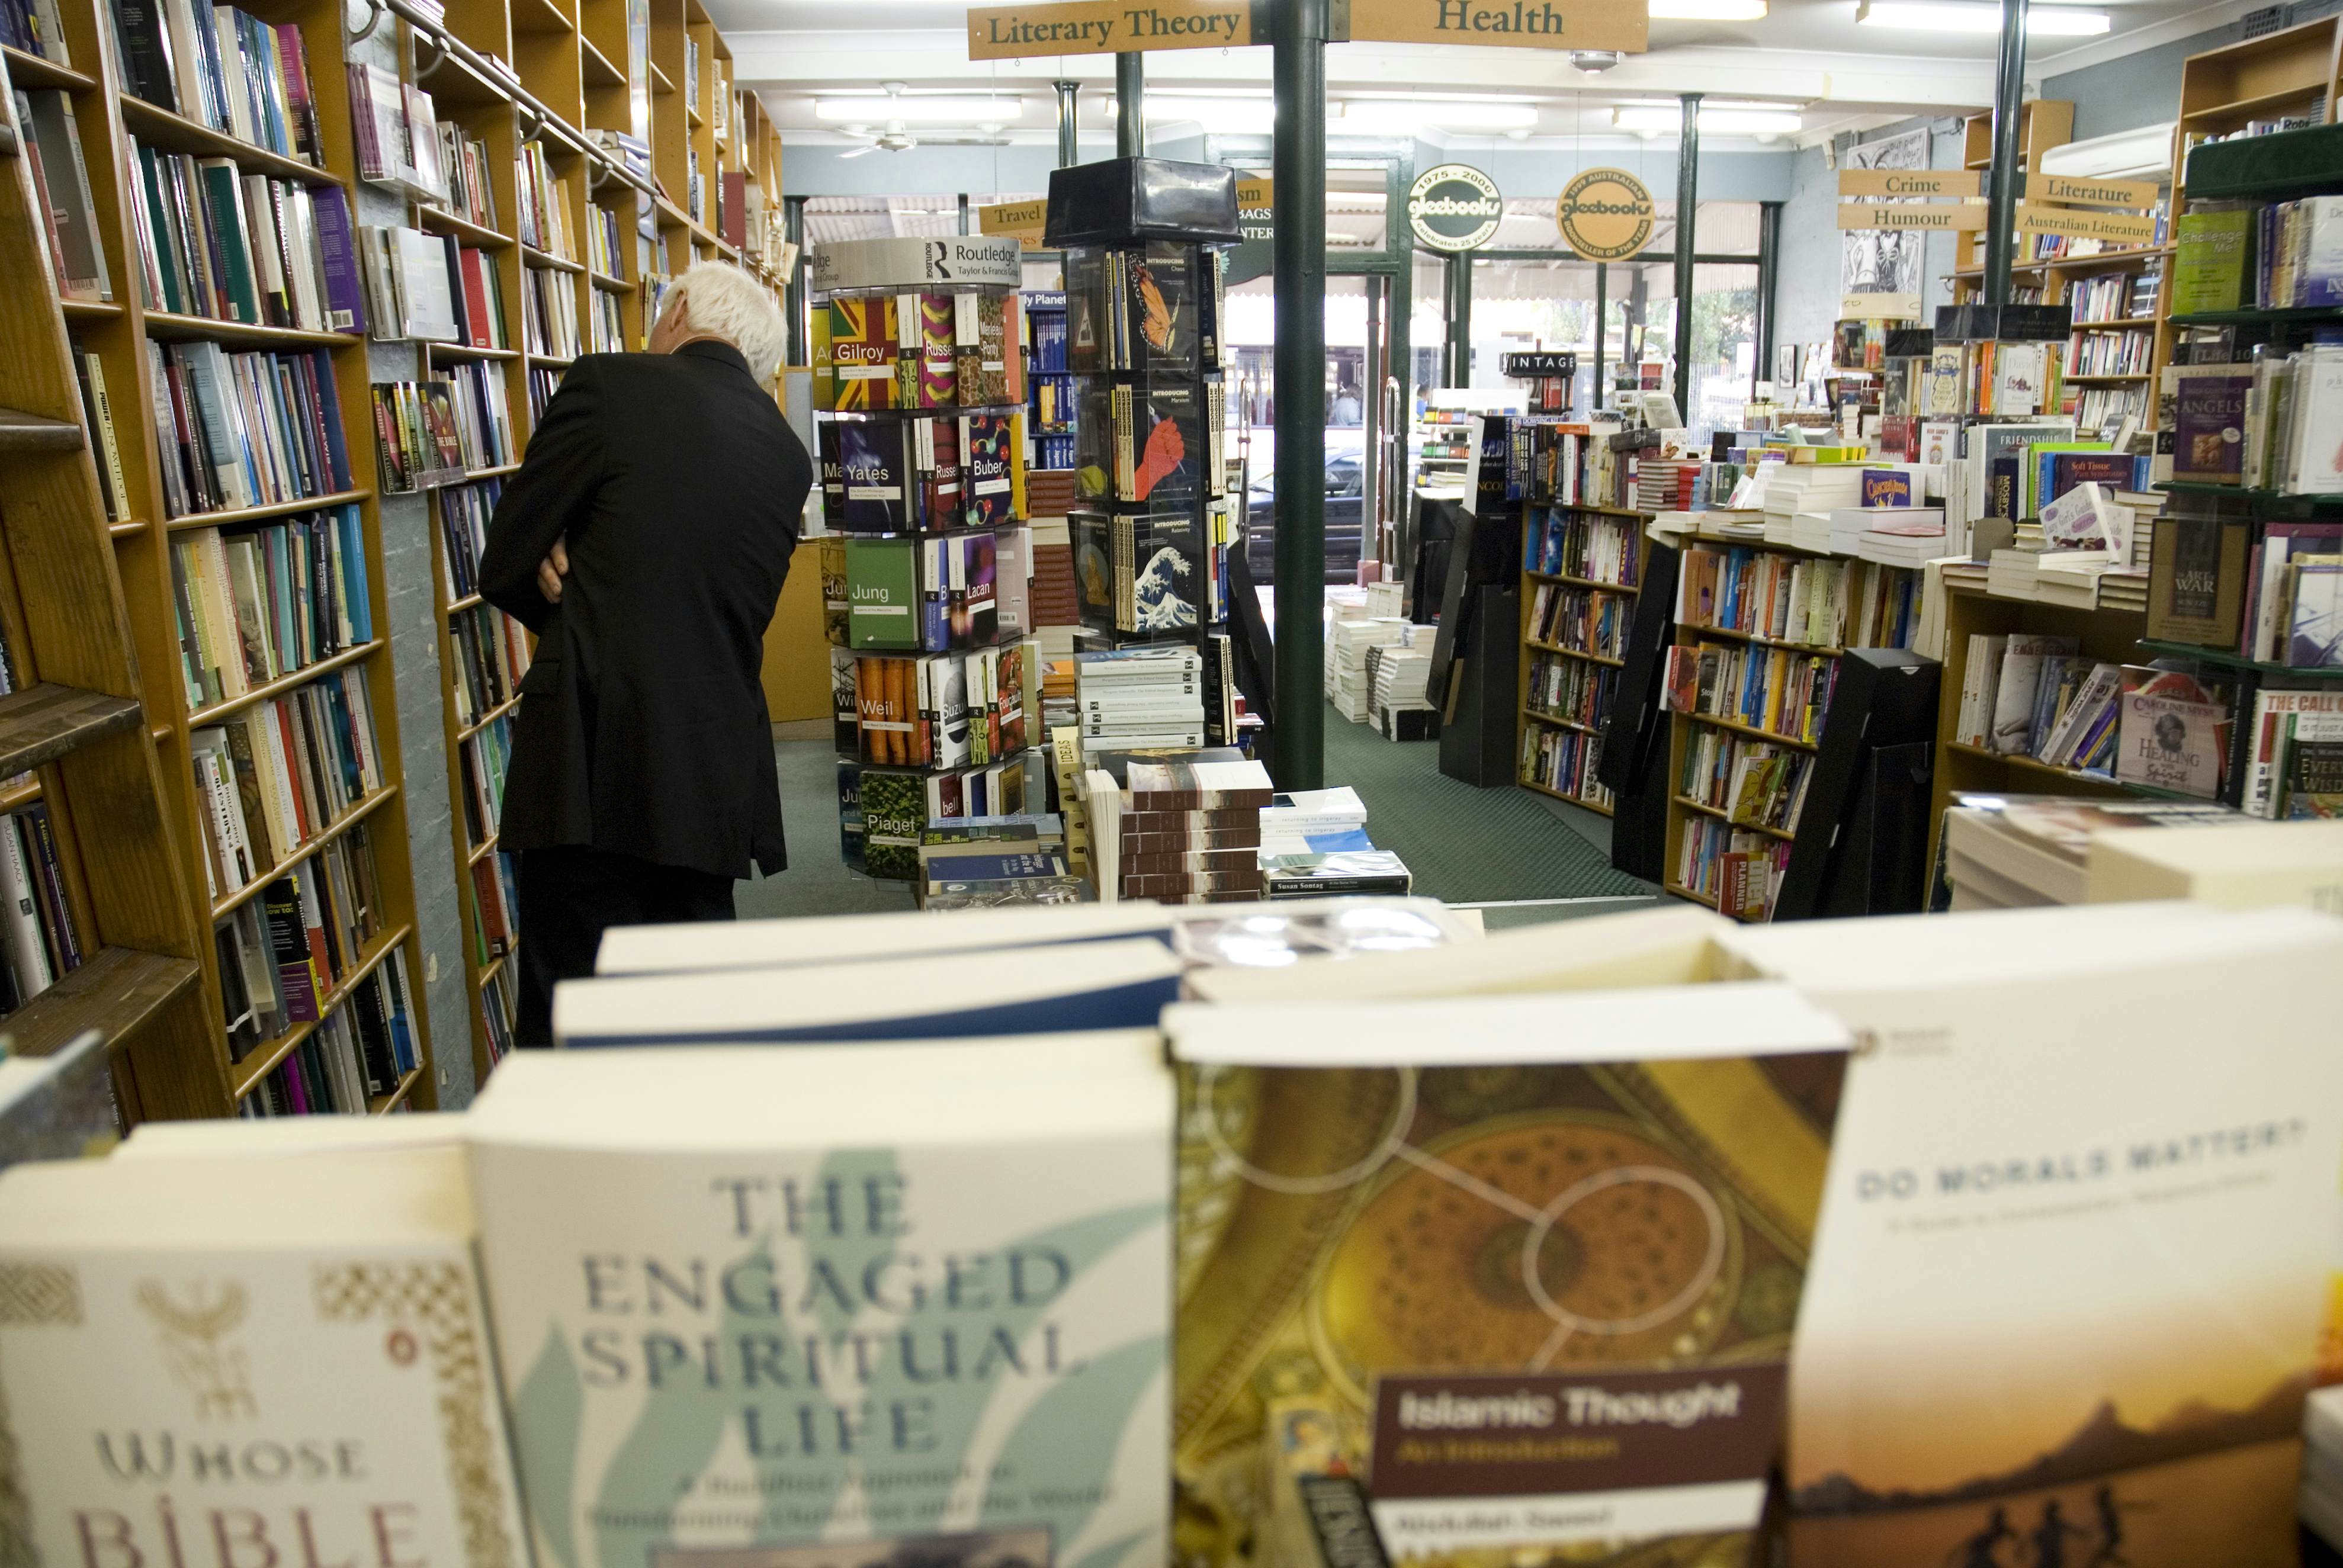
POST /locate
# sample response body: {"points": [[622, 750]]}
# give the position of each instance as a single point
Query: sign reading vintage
{"points": [[1454, 206], [1604, 215]]}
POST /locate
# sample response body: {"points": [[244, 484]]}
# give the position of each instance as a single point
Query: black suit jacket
{"points": [[642, 728]]}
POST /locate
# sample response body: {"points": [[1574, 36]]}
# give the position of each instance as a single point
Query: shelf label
{"points": [[1897, 215], [1910, 183], [1108, 27], [2123, 228], [1505, 24], [1021, 221], [2100, 193]]}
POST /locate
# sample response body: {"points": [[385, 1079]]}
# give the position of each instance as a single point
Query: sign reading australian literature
{"points": [[1121, 26], [970, 261], [1454, 208], [1604, 215]]}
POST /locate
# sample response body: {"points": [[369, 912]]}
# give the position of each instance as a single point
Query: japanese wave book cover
{"points": [[862, 939], [198, 1368], [1527, 1266], [1117, 985], [754, 1315], [2074, 1255]]}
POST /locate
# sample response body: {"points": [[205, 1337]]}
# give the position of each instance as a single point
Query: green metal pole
{"points": [[2001, 188], [1456, 356], [1687, 221], [1131, 105], [1298, 165], [1069, 106]]}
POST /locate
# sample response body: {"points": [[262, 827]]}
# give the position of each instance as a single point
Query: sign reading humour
{"points": [[1853, 216], [1118, 26], [1454, 206], [1604, 215]]}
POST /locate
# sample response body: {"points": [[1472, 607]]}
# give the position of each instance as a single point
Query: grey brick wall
{"points": [[415, 639]]}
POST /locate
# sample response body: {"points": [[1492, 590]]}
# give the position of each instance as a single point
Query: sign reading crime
{"points": [[2122, 227], [1021, 221], [1604, 215], [1119, 26], [1896, 215], [2091, 192], [1911, 182], [1108, 27], [1454, 206]]}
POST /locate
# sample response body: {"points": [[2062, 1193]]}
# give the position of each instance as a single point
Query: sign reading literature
{"points": [[1895, 214], [1018, 220], [1604, 215], [1121, 26], [2123, 227], [1454, 208], [1911, 182], [2098, 192]]}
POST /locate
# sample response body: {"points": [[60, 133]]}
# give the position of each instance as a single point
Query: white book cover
{"points": [[855, 939], [202, 1369], [850, 1306], [2077, 1235], [2021, 673]]}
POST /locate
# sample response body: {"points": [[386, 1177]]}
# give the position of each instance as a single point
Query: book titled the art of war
{"points": [[204, 1364], [835, 1307]]}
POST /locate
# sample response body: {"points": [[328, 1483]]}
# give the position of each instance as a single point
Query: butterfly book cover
{"points": [[1158, 308]]}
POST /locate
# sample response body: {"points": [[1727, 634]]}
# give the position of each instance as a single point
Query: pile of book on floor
{"points": [[1181, 830], [991, 862], [1141, 698], [1398, 679], [1349, 637]]}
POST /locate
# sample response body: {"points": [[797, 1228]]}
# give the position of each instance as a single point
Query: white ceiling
{"points": [[1806, 54]]}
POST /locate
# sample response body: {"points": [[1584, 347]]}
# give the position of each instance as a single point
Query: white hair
{"points": [[726, 302]]}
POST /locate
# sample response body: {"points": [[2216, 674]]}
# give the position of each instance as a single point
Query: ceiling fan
{"points": [[890, 137], [895, 136]]}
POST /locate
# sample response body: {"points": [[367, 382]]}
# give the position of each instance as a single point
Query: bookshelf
{"points": [[1581, 569], [2042, 124]]}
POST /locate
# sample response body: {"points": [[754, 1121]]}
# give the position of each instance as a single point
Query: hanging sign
{"points": [[1504, 24], [1538, 363], [1254, 194], [1021, 221], [1604, 215], [2123, 228], [1911, 182], [2093, 192], [1109, 27], [1256, 254], [1896, 215], [1454, 206], [898, 262]]}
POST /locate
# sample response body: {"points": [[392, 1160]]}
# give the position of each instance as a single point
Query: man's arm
{"points": [[552, 495]]}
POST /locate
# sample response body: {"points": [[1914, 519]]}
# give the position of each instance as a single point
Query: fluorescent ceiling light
{"points": [[1708, 10], [876, 110], [1457, 114], [1962, 17], [1722, 122]]}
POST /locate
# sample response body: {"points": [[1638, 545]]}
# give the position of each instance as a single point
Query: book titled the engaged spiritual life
{"points": [[754, 1315], [196, 1369], [1529, 1267]]}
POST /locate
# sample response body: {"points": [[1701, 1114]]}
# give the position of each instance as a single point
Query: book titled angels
{"points": [[209, 1363]]}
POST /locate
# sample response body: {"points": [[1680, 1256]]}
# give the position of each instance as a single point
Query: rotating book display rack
{"points": [[920, 392]]}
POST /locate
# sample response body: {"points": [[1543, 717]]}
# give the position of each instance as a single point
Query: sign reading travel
{"points": [[1021, 221], [1454, 206], [1911, 182], [1895, 214], [1604, 215], [2122, 227], [1108, 27], [1119, 26]]}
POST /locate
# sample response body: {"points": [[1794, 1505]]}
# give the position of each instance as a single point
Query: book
{"points": [[984, 1310], [2001, 1151], [2210, 251], [2313, 780], [339, 1331], [1543, 1254], [2171, 742], [863, 348], [2210, 422], [2232, 867], [2314, 639], [2197, 576], [49, 118], [2023, 661]]}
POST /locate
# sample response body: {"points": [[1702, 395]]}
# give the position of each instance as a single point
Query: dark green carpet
{"points": [[1464, 845], [1467, 845]]}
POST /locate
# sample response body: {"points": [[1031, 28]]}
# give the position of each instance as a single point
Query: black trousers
{"points": [[570, 895]]}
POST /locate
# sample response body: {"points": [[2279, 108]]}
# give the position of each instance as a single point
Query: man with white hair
{"points": [[644, 541]]}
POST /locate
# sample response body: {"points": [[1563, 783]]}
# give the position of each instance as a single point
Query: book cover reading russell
{"points": [[756, 1315]]}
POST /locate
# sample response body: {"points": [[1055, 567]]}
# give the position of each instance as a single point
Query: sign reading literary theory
{"points": [[1117, 26]]}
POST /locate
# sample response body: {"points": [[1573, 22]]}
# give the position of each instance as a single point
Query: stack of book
{"points": [[1347, 685], [1185, 830], [2022, 851], [1304, 821], [53, 154], [1398, 677], [997, 862], [217, 242], [1138, 699]]}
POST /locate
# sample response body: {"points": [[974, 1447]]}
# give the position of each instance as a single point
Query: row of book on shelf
{"points": [[244, 429], [256, 602], [2163, 725], [663, 1167], [226, 69], [919, 350], [272, 776], [431, 288]]}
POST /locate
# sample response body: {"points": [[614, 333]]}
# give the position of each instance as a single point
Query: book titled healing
{"points": [[835, 1307]]}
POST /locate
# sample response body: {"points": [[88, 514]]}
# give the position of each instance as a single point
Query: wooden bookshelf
{"points": [[2042, 124], [1536, 720]]}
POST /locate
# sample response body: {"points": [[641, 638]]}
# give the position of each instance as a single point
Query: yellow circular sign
{"points": [[1604, 215]]}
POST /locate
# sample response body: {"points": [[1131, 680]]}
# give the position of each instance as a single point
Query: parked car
{"points": [[1345, 516]]}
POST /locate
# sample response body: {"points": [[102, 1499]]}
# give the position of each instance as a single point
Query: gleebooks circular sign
{"points": [[1454, 206], [1604, 215]]}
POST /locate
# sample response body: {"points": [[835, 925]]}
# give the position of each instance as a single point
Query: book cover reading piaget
{"points": [[1528, 1268], [782, 1307]]}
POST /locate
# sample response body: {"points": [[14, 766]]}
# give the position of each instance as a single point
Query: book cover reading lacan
{"points": [[901, 1301], [1528, 1265], [205, 1364]]}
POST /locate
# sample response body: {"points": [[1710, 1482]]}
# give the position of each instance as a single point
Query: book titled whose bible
{"points": [[303, 1378], [835, 1307]]}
